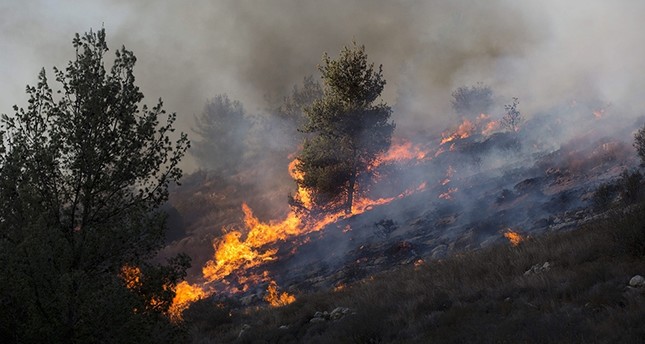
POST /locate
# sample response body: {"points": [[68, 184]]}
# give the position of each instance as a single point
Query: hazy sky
{"points": [[543, 52]]}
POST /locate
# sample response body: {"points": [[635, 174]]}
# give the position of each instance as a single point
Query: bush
{"points": [[630, 184], [604, 196]]}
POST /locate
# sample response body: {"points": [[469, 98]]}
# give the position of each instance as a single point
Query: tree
{"points": [[348, 130], [293, 106], [83, 172], [472, 101], [639, 143], [512, 118], [223, 127]]}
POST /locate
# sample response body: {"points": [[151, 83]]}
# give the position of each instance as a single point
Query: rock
{"points": [[248, 300], [488, 242], [637, 281], [439, 252], [338, 313], [316, 320], [318, 315], [245, 328], [284, 327], [538, 268]]}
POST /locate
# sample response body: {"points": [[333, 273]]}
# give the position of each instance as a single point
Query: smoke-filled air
{"points": [[322, 171]]}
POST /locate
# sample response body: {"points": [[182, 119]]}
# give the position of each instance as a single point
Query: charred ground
{"points": [[437, 263]]}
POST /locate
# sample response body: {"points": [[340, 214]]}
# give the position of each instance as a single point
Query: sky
{"points": [[543, 52]]}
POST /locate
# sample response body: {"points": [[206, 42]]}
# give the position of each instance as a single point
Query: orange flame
{"points": [[185, 294], [463, 131], [402, 150], [276, 299], [131, 275], [513, 237], [448, 194]]}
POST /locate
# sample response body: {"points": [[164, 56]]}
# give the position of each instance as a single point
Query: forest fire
{"points": [[513, 237], [402, 150], [185, 294], [276, 299], [241, 250], [448, 194], [464, 130]]}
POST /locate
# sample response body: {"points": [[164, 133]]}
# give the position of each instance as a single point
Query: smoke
{"points": [[542, 52], [549, 54]]}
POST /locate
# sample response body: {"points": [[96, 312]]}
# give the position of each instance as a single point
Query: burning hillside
{"points": [[491, 181]]}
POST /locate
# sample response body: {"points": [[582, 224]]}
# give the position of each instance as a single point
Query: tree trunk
{"points": [[350, 193], [350, 189]]}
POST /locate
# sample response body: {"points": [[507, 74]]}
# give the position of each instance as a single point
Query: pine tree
{"points": [[348, 128]]}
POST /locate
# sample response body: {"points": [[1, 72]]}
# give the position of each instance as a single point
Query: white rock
{"points": [[637, 281]]}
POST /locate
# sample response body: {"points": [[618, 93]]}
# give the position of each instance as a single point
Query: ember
{"points": [[513, 237]]}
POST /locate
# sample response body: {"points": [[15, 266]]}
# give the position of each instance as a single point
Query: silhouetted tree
{"points": [[349, 129], [639, 143], [472, 101], [223, 128], [512, 117], [293, 106], [82, 174]]}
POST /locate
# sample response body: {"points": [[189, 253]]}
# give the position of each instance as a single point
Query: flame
{"points": [[448, 194], [598, 114], [185, 294], [276, 299], [513, 237], [131, 275], [402, 150], [464, 130], [302, 194], [490, 127]]}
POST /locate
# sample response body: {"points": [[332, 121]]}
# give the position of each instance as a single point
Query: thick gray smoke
{"points": [[544, 52]]}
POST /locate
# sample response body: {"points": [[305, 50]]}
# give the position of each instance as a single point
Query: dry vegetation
{"points": [[477, 297]]}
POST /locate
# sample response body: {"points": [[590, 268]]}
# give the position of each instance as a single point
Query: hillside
{"points": [[568, 287]]}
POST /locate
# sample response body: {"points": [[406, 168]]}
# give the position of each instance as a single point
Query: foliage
{"points": [[472, 101], [82, 176], [512, 119], [222, 127], [639, 143], [631, 188], [604, 196], [349, 129], [293, 106]]}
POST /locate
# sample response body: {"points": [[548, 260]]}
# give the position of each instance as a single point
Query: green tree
{"points": [[223, 127], [83, 172], [348, 130]]}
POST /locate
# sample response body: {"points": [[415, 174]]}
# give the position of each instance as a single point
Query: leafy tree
{"points": [[472, 101], [82, 174], [512, 118], [349, 129], [223, 127]]}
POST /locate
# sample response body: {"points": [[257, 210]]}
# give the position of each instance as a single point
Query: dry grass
{"points": [[477, 297]]}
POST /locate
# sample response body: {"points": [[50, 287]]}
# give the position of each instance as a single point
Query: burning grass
{"points": [[478, 297]]}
